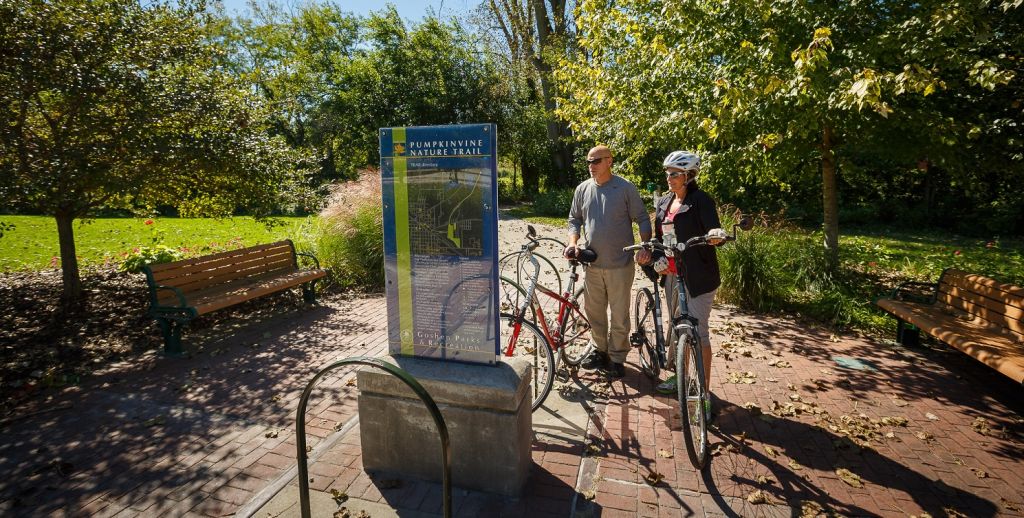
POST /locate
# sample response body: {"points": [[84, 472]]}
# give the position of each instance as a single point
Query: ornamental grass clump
{"points": [[349, 237]]}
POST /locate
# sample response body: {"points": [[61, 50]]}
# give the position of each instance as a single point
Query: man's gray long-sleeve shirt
{"points": [[607, 212]]}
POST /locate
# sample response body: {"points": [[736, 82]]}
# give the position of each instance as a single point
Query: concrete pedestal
{"points": [[486, 409]]}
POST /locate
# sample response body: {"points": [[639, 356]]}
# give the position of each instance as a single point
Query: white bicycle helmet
{"points": [[683, 160]]}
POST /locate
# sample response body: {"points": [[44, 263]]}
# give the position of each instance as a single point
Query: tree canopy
{"points": [[775, 92], [111, 104]]}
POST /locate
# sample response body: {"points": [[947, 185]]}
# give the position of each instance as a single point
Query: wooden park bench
{"points": [[978, 315], [183, 290]]}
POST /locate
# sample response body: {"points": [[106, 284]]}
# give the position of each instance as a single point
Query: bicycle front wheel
{"points": [[692, 394], [646, 333], [575, 329], [522, 339]]}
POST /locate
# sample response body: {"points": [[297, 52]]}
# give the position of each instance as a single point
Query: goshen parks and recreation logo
{"points": [[399, 148]]}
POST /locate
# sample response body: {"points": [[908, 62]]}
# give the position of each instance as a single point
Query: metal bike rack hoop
{"points": [[300, 427]]}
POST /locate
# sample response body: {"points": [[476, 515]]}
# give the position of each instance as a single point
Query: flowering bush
{"points": [[144, 255]]}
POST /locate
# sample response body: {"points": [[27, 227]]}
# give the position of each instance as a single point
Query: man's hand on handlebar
{"points": [[643, 256], [571, 251]]}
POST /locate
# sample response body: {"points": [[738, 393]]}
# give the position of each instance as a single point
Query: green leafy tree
{"points": [[536, 36], [774, 91], [106, 103]]}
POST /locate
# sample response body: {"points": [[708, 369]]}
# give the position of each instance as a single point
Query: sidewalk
{"points": [[808, 423], [796, 435], [214, 435]]}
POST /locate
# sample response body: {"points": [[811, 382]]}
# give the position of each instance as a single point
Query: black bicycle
{"points": [[691, 387]]}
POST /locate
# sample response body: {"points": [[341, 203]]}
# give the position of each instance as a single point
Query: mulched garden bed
{"points": [[44, 344]]}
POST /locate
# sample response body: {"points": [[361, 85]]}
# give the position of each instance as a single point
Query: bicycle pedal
{"points": [[636, 339]]}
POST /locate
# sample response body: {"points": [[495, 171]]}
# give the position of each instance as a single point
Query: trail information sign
{"points": [[440, 190]]}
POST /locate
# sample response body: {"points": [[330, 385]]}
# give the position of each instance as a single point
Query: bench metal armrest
{"points": [[178, 292], [903, 291], [311, 256]]}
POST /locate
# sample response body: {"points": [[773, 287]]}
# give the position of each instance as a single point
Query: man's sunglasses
{"points": [[591, 161]]}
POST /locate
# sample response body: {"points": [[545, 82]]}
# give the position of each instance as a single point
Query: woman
{"points": [[686, 212]]}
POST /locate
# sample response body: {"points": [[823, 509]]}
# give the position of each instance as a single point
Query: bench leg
{"points": [[907, 334], [309, 292], [172, 337]]}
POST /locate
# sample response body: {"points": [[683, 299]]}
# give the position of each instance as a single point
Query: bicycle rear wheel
{"points": [[693, 398], [645, 336], [523, 339], [575, 329]]}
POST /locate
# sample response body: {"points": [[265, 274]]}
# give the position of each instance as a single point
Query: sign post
{"points": [[440, 203]]}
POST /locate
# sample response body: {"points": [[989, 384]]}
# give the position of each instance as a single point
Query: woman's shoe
{"points": [[668, 386]]}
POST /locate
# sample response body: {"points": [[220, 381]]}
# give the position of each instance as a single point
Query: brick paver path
{"points": [[188, 436], [924, 431]]}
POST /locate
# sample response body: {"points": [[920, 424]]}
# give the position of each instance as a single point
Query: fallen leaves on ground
{"points": [[665, 454], [338, 496], [272, 434], [771, 451], [924, 436], [981, 425], [931, 416], [653, 478], [752, 408], [898, 401], [851, 478], [795, 466], [779, 364], [759, 497], [765, 480], [980, 473], [742, 377], [1011, 505], [810, 509]]}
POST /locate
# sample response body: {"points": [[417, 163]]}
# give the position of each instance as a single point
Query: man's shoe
{"points": [[667, 387], [616, 370], [596, 360]]}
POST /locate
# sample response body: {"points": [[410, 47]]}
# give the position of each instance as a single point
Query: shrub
{"points": [[553, 202], [146, 255], [349, 237], [751, 276]]}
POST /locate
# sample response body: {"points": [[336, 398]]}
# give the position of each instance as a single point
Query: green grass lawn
{"points": [[33, 242]]}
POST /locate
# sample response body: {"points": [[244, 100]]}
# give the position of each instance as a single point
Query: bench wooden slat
{"points": [[975, 282], [212, 257], [988, 344], [216, 299], [169, 271], [995, 302], [987, 310], [967, 287], [229, 273]]}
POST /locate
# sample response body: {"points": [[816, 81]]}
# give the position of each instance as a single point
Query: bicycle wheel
{"points": [[575, 329], [693, 398], [515, 266], [526, 341], [645, 336], [511, 296]]}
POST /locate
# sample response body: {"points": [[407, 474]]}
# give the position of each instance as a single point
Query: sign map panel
{"points": [[441, 241]]}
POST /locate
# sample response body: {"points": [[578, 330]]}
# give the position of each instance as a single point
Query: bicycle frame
{"points": [[566, 304]]}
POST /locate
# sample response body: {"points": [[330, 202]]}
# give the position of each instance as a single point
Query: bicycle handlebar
{"points": [[693, 241], [744, 224]]}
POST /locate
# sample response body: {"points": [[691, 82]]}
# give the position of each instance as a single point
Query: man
{"points": [[605, 206]]}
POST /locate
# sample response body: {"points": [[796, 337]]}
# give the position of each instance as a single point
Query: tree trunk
{"points": [[68, 260], [830, 193]]}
